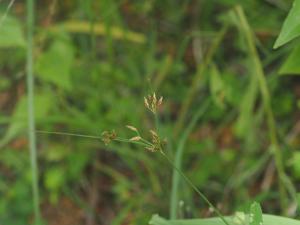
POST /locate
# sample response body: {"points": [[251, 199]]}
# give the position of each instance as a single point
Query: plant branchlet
{"points": [[156, 144]]}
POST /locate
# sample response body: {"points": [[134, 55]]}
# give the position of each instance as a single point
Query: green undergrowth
{"points": [[230, 113]]}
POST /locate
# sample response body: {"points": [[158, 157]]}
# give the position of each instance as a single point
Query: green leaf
{"points": [[54, 180], [291, 26], [268, 220], [295, 163], [54, 65], [11, 34], [43, 103], [255, 216], [292, 63]]}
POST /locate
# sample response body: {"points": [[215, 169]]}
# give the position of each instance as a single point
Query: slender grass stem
{"points": [[195, 84], [69, 134], [94, 137], [196, 189], [156, 120], [91, 16], [145, 141], [31, 116], [2, 19], [267, 105], [134, 142], [178, 158]]}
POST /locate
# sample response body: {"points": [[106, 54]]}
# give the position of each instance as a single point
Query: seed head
{"points": [[132, 128], [108, 136], [151, 149], [136, 138], [152, 103], [146, 103], [153, 133], [157, 143], [160, 101]]}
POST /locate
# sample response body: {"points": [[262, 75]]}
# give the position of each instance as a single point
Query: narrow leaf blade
{"points": [[291, 26]]}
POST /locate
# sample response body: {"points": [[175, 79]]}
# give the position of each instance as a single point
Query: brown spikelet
{"points": [[152, 103], [108, 136], [132, 128], [153, 133], [160, 101], [136, 138], [151, 149], [146, 103]]}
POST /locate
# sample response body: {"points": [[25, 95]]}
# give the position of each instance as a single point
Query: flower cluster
{"points": [[108, 136], [152, 103], [155, 144]]}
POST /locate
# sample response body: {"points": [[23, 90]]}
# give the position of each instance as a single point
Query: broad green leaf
{"points": [[295, 163], [55, 64], [268, 220], [54, 179], [255, 217], [240, 218], [291, 26], [43, 104], [11, 34], [292, 63]]}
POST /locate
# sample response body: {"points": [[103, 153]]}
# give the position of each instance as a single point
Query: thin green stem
{"points": [[156, 120], [178, 158], [195, 189], [134, 142], [92, 29], [196, 81], [267, 104], [31, 116], [145, 141], [142, 139], [2, 19], [69, 134], [95, 137]]}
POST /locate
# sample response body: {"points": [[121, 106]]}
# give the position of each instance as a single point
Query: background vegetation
{"points": [[230, 112]]}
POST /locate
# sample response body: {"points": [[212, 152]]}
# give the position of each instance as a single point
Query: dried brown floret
{"points": [[132, 128], [152, 103], [136, 138], [157, 143], [108, 136]]}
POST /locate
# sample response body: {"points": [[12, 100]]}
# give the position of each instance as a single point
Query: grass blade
{"points": [[31, 120], [178, 158]]}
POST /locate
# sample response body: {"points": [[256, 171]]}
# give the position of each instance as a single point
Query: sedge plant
{"points": [[156, 144]]}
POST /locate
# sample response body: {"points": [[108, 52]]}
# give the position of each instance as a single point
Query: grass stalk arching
{"points": [[31, 115], [267, 104], [179, 155], [189, 182]]}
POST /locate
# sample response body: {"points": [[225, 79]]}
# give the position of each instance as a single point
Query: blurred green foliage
{"points": [[94, 62]]}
